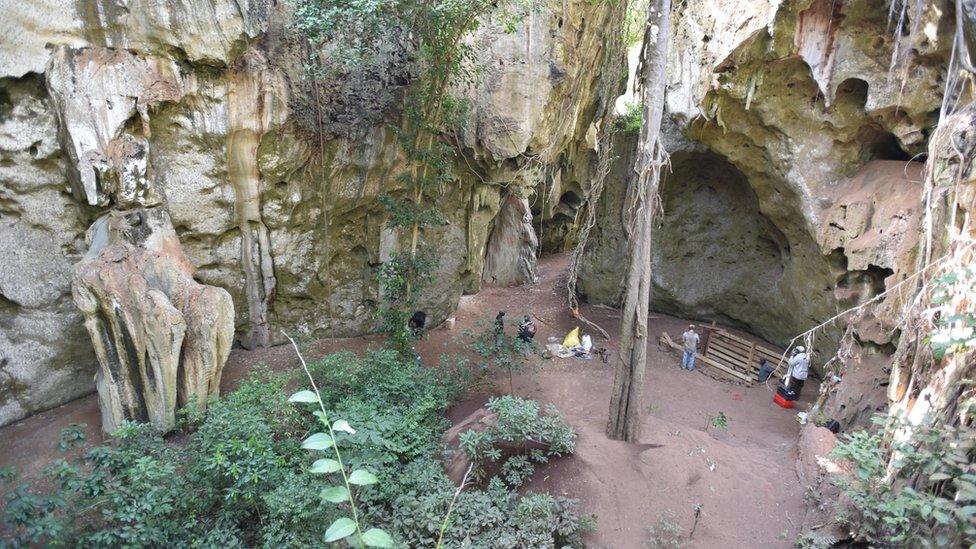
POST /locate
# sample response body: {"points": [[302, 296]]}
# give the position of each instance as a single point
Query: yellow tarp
{"points": [[572, 338]]}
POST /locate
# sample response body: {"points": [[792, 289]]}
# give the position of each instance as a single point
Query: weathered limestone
{"points": [[103, 97], [794, 97], [161, 338], [45, 354], [512, 246], [203, 108]]}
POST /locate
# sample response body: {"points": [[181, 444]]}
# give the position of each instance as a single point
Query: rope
{"points": [[808, 336]]}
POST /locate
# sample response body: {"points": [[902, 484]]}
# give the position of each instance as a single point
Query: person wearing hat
{"points": [[691, 341], [799, 368]]}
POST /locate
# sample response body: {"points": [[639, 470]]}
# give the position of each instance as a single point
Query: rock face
{"points": [[45, 355], [161, 338], [512, 245], [776, 107], [202, 109]]}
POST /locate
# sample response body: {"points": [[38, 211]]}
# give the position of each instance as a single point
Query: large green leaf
{"points": [[303, 396], [318, 441], [374, 537], [362, 477], [324, 465], [341, 528], [335, 494]]}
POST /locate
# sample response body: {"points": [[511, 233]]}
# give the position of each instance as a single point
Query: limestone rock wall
{"points": [[790, 100], [202, 108]]}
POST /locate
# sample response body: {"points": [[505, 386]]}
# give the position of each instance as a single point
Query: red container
{"points": [[782, 402]]}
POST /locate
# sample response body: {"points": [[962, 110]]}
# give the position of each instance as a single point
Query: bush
{"points": [[518, 421], [631, 120], [242, 479], [917, 492]]}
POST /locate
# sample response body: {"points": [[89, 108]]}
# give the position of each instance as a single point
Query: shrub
{"points": [[242, 478], [500, 351], [631, 120], [915, 492], [518, 421]]}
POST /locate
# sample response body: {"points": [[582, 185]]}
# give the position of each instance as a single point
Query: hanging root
{"points": [[593, 194]]}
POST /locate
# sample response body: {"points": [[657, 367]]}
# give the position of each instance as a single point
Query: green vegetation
{"points": [[518, 420], [500, 351], [241, 477], [630, 120], [951, 300], [666, 533], [719, 421], [634, 22], [917, 490]]}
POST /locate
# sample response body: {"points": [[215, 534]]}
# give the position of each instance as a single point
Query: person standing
{"points": [[691, 342], [799, 368], [526, 330], [500, 328]]}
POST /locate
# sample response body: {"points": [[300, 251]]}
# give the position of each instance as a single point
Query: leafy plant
{"points": [[242, 478], [500, 351], [951, 300], [630, 121], [665, 533], [915, 490], [719, 421], [519, 425]]}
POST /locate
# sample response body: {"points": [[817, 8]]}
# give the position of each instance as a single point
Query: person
{"points": [[500, 328], [417, 323], [799, 368], [526, 330], [691, 341], [765, 370]]}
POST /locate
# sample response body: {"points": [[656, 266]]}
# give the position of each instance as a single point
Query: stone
{"points": [[160, 337], [512, 246], [203, 108], [45, 356]]}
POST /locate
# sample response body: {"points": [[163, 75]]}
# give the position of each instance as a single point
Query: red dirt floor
{"points": [[743, 477]]}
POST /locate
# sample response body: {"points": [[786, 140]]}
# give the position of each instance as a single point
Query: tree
{"points": [[630, 361]]}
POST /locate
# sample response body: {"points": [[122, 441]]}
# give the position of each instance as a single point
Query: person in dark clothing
{"points": [[765, 370], [500, 327], [526, 330], [417, 323]]}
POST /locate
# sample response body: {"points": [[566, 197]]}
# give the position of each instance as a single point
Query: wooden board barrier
{"points": [[666, 339], [738, 353]]}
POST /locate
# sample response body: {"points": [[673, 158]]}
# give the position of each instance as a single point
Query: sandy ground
{"points": [[743, 477]]}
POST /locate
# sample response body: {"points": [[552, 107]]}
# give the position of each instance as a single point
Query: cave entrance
{"points": [[716, 256]]}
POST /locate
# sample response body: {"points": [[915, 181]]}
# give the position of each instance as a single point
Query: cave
{"points": [[716, 255]]}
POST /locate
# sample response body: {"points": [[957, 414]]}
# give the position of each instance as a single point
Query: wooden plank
{"points": [[738, 346], [770, 355], [731, 357], [731, 351], [737, 366], [667, 339]]}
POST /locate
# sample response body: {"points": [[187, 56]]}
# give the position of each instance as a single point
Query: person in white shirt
{"points": [[799, 368], [691, 341]]}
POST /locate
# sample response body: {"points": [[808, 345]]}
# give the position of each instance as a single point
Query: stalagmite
{"points": [[161, 338], [512, 246]]}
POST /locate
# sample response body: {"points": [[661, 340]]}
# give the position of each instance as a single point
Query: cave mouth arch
{"points": [[716, 255]]}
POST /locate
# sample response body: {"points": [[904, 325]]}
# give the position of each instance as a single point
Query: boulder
{"points": [[161, 338]]}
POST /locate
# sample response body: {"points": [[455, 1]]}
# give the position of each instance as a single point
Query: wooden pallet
{"points": [[730, 357], [726, 371], [738, 353]]}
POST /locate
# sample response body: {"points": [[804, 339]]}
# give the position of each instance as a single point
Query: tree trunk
{"points": [[628, 382]]}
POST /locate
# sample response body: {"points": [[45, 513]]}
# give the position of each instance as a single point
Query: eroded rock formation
{"points": [[779, 105], [271, 178], [512, 245], [161, 338]]}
